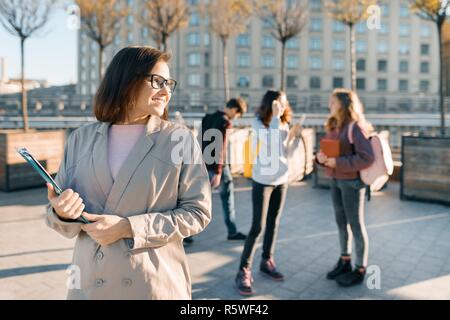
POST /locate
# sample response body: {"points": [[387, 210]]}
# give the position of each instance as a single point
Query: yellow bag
{"points": [[249, 156]]}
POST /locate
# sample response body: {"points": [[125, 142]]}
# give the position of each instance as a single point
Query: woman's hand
{"points": [[107, 229], [277, 109], [215, 181], [68, 205], [331, 163], [321, 157]]}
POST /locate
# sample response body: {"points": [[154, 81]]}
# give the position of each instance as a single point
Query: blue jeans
{"points": [[348, 202], [227, 196]]}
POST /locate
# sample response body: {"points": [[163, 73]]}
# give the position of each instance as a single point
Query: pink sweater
{"points": [[121, 140]]}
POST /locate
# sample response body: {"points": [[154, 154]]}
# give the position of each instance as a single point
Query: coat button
{"points": [[99, 282], [100, 255], [126, 282]]}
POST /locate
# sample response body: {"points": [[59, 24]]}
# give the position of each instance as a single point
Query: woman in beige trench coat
{"points": [[158, 194]]}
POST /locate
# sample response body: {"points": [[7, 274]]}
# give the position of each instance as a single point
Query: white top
{"points": [[270, 166], [121, 140]]}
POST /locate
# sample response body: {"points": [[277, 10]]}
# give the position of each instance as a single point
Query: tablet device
{"points": [[43, 173]]}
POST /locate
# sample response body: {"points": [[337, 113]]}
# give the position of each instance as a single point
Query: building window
{"points": [[194, 20], [316, 24], [193, 59], [268, 61], [338, 64], [267, 81], [315, 5], [206, 39], [382, 65], [243, 60], [403, 48], [194, 79], [338, 26], [268, 42], [243, 40], [83, 90], [338, 45], [425, 31], [338, 82], [384, 29], [292, 43], [384, 10], [315, 44], [404, 10], [361, 84], [314, 83], [93, 88], [424, 85], [130, 20], [424, 67], [206, 80], [361, 27], [206, 59], [403, 66], [145, 32], [243, 82], [425, 49], [193, 39], [292, 82], [361, 46], [361, 65], [130, 37], [382, 85], [382, 47], [404, 30], [403, 85], [292, 62], [315, 63]]}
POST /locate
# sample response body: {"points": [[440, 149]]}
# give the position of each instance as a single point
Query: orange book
{"points": [[331, 148]]}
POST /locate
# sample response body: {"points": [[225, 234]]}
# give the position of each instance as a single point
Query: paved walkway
{"points": [[409, 243]]}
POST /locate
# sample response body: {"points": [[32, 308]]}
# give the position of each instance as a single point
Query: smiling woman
{"points": [[118, 174]]}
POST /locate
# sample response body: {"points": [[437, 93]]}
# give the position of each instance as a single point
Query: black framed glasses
{"points": [[158, 82]]}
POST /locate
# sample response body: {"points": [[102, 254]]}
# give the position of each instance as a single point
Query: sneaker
{"points": [[188, 240], [244, 282], [269, 269], [341, 267], [351, 278], [237, 236]]}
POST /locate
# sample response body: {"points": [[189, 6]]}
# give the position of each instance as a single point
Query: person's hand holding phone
{"points": [[68, 205]]}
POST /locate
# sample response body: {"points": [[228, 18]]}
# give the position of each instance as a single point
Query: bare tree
{"points": [[22, 18], [350, 12], [435, 11], [227, 19], [286, 20], [163, 18], [100, 19]]}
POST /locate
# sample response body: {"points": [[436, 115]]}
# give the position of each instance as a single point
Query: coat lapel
{"points": [[136, 156], [100, 159]]}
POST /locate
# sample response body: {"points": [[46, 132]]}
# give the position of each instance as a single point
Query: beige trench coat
{"points": [[164, 200]]}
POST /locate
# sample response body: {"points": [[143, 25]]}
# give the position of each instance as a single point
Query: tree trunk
{"points": [[100, 63], [283, 71], [441, 79], [164, 42], [352, 57], [225, 70], [22, 81]]}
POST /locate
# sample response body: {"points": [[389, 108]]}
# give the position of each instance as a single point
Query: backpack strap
{"points": [[350, 132]]}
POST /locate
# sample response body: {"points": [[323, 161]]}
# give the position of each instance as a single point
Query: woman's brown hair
{"points": [[264, 112], [124, 77], [351, 110]]}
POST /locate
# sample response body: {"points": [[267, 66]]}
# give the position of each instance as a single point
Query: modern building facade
{"points": [[397, 69]]}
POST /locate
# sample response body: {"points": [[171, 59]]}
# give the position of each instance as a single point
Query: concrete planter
{"points": [[46, 146], [425, 174]]}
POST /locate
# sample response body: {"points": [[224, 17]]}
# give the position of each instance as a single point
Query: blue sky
{"points": [[51, 54]]}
